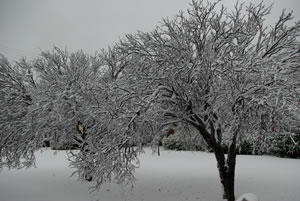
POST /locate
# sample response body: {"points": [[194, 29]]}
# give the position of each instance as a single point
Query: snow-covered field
{"points": [[173, 176]]}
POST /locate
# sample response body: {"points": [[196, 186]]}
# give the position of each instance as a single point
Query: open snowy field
{"points": [[173, 176]]}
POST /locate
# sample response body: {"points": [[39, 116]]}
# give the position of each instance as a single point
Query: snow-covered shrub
{"points": [[284, 146], [252, 145], [183, 142], [65, 146], [173, 142]]}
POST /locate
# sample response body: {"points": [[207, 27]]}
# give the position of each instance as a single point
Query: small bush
{"points": [[284, 146], [179, 141], [252, 146], [173, 142], [245, 148], [64, 146], [277, 145]]}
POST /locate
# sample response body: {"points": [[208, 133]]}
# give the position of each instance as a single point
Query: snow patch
{"points": [[173, 176], [247, 197]]}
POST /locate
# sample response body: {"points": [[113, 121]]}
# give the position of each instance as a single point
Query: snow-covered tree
{"points": [[16, 140], [224, 73], [67, 89], [71, 106], [73, 102]]}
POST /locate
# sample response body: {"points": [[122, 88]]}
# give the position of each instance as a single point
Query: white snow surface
{"points": [[173, 176], [248, 197]]}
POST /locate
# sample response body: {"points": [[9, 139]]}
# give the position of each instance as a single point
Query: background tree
{"points": [[67, 87], [72, 108], [16, 141], [67, 98], [77, 103]]}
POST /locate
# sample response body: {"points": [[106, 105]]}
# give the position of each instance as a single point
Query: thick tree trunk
{"points": [[226, 167], [227, 170]]}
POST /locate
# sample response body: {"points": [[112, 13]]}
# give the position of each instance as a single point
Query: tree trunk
{"points": [[226, 167], [227, 170]]}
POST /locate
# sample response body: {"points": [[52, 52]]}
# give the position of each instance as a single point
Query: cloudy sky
{"points": [[29, 26]]}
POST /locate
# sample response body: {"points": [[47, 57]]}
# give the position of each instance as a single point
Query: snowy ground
{"points": [[173, 176]]}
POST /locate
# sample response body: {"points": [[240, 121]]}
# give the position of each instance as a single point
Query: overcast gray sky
{"points": [[28, 26]]}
